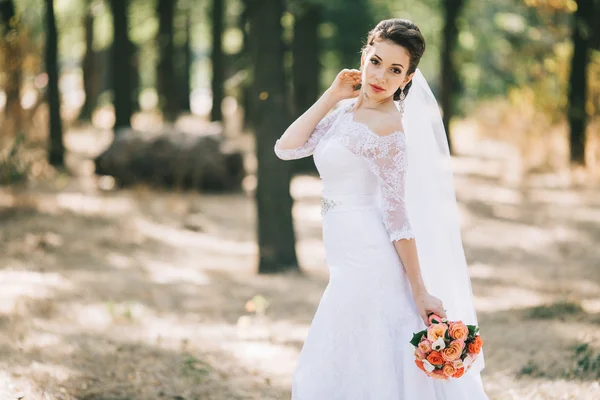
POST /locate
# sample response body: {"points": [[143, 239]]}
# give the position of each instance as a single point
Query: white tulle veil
{"points": [[432, 208]]}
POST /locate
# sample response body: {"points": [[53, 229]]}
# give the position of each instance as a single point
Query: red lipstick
{"points": [[377, 89]]}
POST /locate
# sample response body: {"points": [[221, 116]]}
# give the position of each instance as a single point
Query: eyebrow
{"points": [[380, 59]]}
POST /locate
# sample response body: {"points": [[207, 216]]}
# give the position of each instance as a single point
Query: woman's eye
{"points": [[374, 61], [396, 71]]}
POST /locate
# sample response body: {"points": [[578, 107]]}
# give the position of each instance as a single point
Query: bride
{"points": [[390, 229]]}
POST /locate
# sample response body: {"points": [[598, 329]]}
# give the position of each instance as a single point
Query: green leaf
{"points": [[416, 339]]}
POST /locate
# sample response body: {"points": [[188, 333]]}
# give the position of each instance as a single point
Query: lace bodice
{"points": [[373, 164]]}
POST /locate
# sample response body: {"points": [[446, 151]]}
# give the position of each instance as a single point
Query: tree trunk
{"points": [[186, 76], [57, 151], [276, 238], [246, 89], [352, 23], [166, 83], [306, 68], [218, 72], [452, 9], [577, 97], [121, 64], [13, 113], [90, 82]]}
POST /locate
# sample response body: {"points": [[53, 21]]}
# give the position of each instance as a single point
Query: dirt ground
{"points": [[144, 294]]}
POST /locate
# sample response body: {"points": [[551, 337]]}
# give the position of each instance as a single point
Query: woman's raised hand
{"points": [[343, 87]]}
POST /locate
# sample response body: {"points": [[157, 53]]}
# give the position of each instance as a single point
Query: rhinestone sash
{"points": [[328, 205]]}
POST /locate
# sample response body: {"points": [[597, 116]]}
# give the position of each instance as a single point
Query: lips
{"points": [[377, 89]]}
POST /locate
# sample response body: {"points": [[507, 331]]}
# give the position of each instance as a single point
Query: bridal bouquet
{"points": [[446, 349]]}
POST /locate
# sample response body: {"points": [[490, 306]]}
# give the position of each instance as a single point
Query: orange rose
{"points": [[449, 369], [458, 330], [475, 346], [453, 351], [435, 358], [420, 365], [438, 374], [459, 372], [436, 331]]}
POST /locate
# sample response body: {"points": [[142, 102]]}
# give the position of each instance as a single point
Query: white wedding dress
{"points": [[358, 343]]}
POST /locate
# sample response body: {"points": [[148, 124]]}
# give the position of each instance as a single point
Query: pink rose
{"points": [[425, 345], [436, 317], [419, 354]]}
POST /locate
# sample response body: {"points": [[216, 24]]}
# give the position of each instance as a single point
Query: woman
{"points": [[390, 229]]}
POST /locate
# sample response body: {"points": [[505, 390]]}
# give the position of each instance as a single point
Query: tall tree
{"points": [[276, 237], [582, 35], [185, 87], [452, 9], [121, 64], [90, 73], [166, 83], [56, 151], [10, 46], [306, 68], [245, 57], [352, 24], [218, 67]]}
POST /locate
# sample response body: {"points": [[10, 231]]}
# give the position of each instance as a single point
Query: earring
{"points": [[401, 101]]}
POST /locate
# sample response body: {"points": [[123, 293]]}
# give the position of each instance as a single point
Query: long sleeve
{"points": [[388, 161], [309, 146]]}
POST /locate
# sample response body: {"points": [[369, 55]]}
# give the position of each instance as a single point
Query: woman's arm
{"points": [[407, 250], [301, 137], [300, 130], [390, 165]]}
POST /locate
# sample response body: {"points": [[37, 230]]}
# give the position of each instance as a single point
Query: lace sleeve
{"points": [[307, 148], [388, 161]]}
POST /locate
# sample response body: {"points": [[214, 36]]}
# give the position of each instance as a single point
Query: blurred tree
{"points": [[449, 74], [306, 52], [165, 75], [218, 66], [584, 20], [352, 25], [56, 152], [121, 64], [306, 67], [245, 56], [12, 57], [276, 237], [186, 58], [90, 70]]}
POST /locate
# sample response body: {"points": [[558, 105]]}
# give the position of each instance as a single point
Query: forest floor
{"points": [[144, 294]]}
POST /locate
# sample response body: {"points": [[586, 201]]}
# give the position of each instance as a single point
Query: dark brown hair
{"points": [[403, 33]]}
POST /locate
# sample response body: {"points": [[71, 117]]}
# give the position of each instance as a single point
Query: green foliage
{"points": [[14, 167], [555, 311], [195, 368], [416, 339]]}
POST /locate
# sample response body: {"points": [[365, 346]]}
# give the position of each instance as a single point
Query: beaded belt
{"points": [[328, 205], [348, 202]]}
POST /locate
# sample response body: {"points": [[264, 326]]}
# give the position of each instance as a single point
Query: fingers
{"points": [[425, 319], [350, 74], [439, 310]]}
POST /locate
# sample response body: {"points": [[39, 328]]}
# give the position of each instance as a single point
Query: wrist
{"points": [[331, 98], [419, 291]]}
